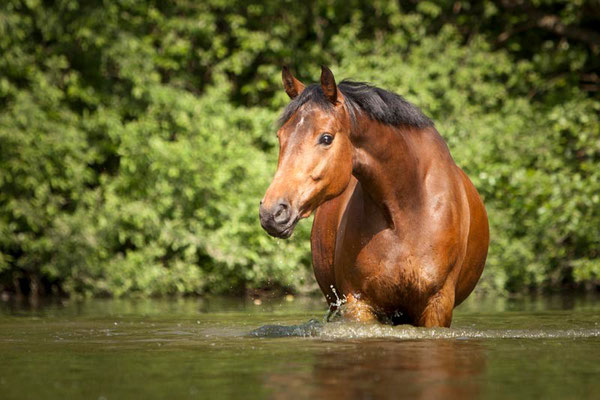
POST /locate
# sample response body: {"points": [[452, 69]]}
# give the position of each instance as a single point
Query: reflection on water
{"points": [[441, 369], [233, 349]]}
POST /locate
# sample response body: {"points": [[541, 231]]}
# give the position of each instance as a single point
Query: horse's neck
{"points": [[387, 164]]}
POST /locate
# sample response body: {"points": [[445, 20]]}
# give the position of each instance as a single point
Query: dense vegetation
{"points": [[137, 137]]}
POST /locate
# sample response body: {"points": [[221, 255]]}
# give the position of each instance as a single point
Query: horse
{"points": [[400, 234]]}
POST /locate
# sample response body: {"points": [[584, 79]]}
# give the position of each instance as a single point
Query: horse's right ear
{"points": [[293, 87]]}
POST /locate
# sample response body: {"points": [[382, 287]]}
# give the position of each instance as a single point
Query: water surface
{"points": [[210, 348]]}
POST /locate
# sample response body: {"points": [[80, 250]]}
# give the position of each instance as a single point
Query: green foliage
{"points": [[137, 138]]}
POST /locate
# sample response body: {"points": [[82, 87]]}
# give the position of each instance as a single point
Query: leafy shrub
{"points": [[137, 138]]}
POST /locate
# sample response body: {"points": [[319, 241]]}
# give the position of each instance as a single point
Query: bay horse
{"points": [[400, 232]]}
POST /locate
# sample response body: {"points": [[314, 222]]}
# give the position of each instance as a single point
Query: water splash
{"points": [[352, 330], [311, 328], [335, 308]]}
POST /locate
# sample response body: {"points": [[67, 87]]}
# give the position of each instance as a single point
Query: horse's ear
{"points": [[328, 84], [293, 87]]}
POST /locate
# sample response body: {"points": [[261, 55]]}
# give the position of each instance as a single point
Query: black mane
{"points": [[380, 105]]}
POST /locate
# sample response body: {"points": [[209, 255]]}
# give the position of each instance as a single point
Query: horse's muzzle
{"points": [[278, 220]]}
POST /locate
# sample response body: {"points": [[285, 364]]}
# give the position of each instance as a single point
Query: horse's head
{"points": [[315, 154]]}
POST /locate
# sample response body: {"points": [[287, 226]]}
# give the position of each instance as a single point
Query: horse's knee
{"points": [[355, 309], [438, 311]]}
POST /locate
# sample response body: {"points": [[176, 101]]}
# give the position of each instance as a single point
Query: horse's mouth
{"points": [[288, 231], [284, 233]]}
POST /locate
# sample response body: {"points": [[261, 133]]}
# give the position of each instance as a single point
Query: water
{"points": [[211, 349]]}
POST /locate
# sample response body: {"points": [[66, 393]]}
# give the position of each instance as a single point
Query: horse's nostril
{"points": [[282, 215]]}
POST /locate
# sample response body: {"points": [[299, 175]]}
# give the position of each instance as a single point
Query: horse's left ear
{"points": [[328, 84]]}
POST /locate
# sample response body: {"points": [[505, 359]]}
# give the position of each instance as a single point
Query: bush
{"points": [[137, 138]]}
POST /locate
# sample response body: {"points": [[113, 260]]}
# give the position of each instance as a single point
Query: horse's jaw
{"points": [[284, 233]]}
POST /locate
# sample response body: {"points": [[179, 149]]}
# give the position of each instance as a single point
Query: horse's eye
{"points": [[326, 139]]}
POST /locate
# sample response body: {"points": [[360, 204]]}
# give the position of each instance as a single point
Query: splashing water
{"points": [[335, 308], [334, 326], [353, 330]]}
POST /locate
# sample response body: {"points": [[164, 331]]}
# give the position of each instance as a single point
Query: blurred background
{"points": [[137, 137]]}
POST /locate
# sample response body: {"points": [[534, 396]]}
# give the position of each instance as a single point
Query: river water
{"points": [[544, 347]]}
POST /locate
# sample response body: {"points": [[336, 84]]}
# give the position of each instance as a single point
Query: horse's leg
{"points": [[323, 238], [438, 310]]}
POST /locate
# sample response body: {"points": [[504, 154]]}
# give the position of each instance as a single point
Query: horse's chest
{"points": [[372, 262]]}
